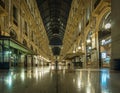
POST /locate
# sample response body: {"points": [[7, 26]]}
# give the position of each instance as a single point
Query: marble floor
{"points": [[49, 80]]}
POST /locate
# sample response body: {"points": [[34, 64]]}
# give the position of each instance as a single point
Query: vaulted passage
{"points": [[55, 14], [59, 46]]}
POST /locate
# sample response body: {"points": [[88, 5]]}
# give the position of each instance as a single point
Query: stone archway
{"points": [[99, 18]]}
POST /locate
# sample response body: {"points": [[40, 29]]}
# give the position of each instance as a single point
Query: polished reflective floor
{"points": [[63, 80]]}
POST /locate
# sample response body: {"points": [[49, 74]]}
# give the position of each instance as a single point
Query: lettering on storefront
{"points": [[105, 42]]}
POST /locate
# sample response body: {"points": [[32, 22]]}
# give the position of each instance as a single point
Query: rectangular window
{"points": [[26, 28], [32, 35], [82, 24], [1, 55], [15, 15], [0, 30], [79, 27], [87, 15], [92, 6]]}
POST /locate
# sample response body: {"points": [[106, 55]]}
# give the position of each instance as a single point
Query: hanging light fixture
{"points": [[79, 47], [88, 41], [73, 51], [108, 26]]}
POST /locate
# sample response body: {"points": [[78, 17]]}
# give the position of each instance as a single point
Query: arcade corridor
{"points": [[59, 46]]}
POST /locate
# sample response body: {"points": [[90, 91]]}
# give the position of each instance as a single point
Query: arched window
{"points": [[106, 22], [105, 26], [13, 34], [24, 42], [31, 47]]}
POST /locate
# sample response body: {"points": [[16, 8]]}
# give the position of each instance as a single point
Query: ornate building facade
{"points": [[88, 31], [87, 38], [23, 40]]}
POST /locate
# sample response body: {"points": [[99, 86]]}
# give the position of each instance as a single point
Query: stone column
{"points": [[115, 34]]}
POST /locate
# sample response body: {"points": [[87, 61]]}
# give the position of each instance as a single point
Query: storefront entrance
{"points": [[104, 39], [11, 53], [105, 50]]}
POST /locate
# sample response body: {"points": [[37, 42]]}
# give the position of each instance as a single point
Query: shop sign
{"points": [[105, 42], [103, 55]]}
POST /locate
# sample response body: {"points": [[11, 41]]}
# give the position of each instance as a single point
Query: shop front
{"points": [[76, 59], [104, 37], [12, 53], [89, 48], [105, 51]]}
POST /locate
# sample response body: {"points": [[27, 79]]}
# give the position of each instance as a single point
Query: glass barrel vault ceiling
{"points": [[54, 14]]}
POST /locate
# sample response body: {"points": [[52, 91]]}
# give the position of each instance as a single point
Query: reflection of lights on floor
{"points": [[51, 75], [13, 75], [79, 84], [73, 80], [46, 70], [29, 75], [22, 76], [40, 72], [105, 76], [9, 81], [59, 67], [52, 67], [63, 71], [88, 90], [36, 74]]}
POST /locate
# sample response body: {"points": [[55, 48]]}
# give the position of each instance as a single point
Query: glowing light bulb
{"points": [[108, 26], [79, 47], [88, 41]]}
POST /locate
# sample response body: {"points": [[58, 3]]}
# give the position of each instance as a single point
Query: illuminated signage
{"points": [[105, 42]]}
